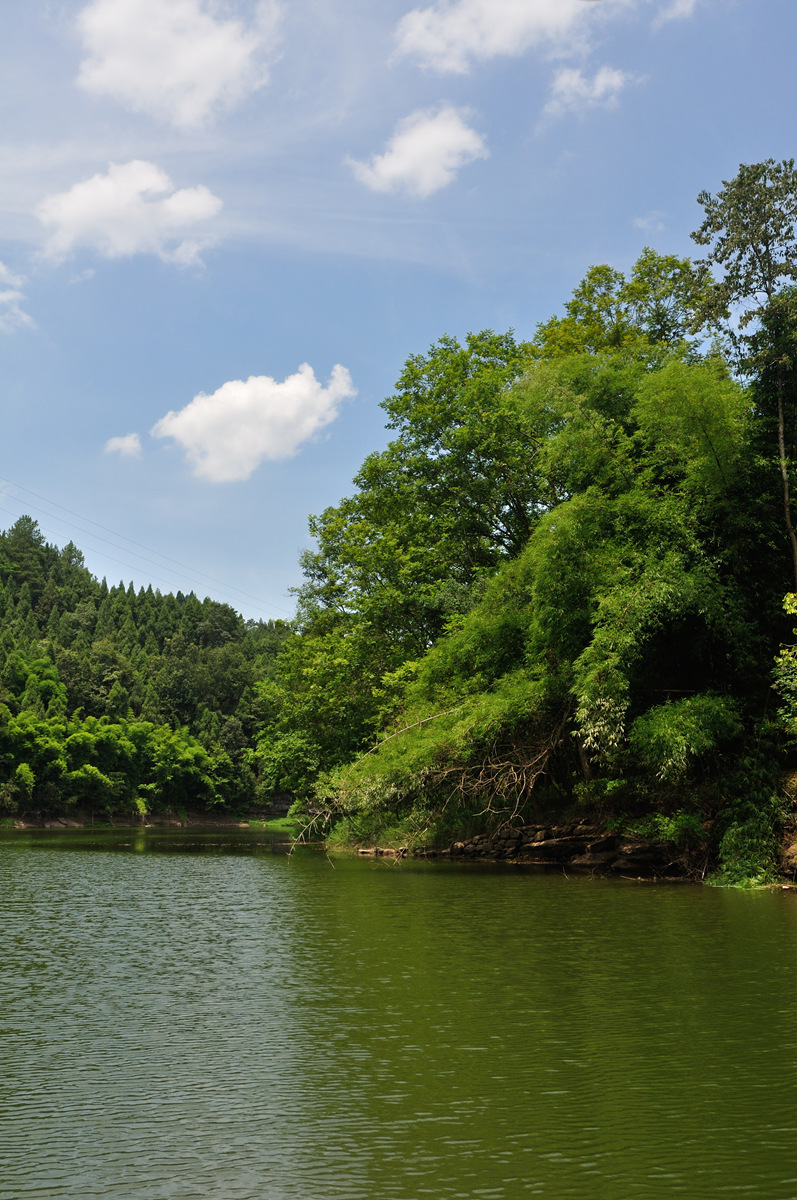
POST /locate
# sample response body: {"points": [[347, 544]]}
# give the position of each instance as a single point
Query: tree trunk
{"points": [[784, 473]]}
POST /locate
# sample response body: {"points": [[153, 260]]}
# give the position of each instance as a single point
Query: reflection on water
{"points": [[192, 1015]]}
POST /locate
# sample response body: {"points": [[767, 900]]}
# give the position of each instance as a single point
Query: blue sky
{"points": [[225, 225]]}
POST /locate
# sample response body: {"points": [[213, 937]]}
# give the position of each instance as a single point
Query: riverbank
{"points": [[580, 846], [594, 847], [602, 846], [270, 822]]}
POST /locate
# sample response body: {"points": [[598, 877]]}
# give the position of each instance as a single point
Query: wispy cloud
{"points": [[173, 59], [128, 446], [574, 92], [424, 154], [12, 315], [652, 222], [677, 10], [10, 277], [133, 209], [449, 36], [227, 435]]}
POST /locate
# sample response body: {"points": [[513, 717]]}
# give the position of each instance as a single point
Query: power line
{"points": [[20, 487], [109, 557], [265, 607]]}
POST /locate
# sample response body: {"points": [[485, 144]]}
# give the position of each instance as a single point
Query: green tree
{"points": [[654, 306], [749, 227]]}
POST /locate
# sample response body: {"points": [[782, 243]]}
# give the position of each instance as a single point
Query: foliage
{"points": [[655, 306], [672, 738], [749, 228], [119, 700], [683, 828], [621, 597], [491, 435]]}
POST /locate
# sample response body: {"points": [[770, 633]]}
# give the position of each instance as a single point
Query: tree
{"points": [[619, 644], [453, 494], [749, 228], [652, 307]]}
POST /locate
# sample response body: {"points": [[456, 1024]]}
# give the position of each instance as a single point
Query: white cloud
{"points": [[424, 154], [134, 209], [573, 92], [12, 315], [172, 59], [652, 222], [447, 36], [228, 434], [8, 276], [678, 10], [128, 446]]}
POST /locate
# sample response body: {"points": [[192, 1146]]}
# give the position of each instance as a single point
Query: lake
{"points": [[199, 1015]]}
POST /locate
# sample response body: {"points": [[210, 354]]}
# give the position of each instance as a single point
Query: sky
{"points": [[225, 225]]}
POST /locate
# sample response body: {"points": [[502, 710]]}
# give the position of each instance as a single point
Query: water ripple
{"points": [[245, 1026]]}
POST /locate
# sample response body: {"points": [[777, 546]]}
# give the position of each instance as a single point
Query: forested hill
{"points": [[118, 700]]}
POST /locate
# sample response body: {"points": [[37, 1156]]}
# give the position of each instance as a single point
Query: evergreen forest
{"points": [[567, 584]]}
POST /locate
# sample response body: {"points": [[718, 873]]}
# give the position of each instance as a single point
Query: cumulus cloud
{"points": [[228, 434], [128, 446], [134, 209], [573, 92], [424, 154], [447, 36], [12, 315], [173, 59]]}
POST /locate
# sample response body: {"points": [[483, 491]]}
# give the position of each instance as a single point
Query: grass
{"points": [[276, 825]]}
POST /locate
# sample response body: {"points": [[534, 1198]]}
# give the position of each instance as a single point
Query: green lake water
{"points": [[201, 1017]]}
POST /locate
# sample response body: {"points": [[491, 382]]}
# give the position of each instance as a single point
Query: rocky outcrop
{"points": [[577, 846]]}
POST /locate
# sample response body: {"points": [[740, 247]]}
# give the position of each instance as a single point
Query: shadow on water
{"points": [[152, 840]]}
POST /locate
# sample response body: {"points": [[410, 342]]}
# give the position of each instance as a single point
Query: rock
{"points": [[602, 858], [556, 849], [790, 857]]}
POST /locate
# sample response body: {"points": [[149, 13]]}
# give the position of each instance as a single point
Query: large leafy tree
{"points": [[452, 494], [621, 642], [458, 492], [749, 228]]}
